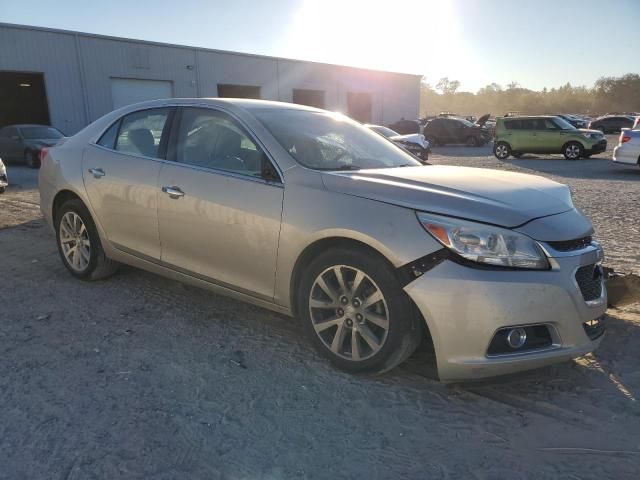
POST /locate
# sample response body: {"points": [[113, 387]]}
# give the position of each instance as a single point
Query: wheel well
{"points": [[309, 253], [570, 142], [61, 197]]}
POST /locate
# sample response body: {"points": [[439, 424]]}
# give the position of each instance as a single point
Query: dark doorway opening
{"points": [[23, 99], [311, 98], [238, 91], [359, 106]]}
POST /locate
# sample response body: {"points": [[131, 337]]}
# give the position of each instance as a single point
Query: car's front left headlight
{"points": [[485, 244], [591, 135]]}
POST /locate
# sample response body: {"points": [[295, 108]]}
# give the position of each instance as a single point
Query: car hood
{"points": [[483, 119], [588, 130], [497, 197], [417, 138]]}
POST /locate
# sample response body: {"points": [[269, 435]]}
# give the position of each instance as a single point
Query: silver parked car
{"points": [[310, 214]]}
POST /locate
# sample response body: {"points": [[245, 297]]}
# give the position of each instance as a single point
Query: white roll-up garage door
{"points": [[125, 91]]}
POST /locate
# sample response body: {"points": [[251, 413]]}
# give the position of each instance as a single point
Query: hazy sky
{"points": [[536, 43]]}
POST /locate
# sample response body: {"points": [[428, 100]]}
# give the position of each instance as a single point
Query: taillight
{"points": [[624, 138], [43, 153]]}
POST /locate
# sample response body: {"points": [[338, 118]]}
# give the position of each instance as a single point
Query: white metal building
{"points": [[68, 79]]}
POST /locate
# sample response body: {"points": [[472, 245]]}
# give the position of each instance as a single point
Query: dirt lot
{"points": [[141, 377]]}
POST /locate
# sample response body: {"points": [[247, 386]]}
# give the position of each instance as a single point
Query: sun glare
{"points": [[414, 36]]}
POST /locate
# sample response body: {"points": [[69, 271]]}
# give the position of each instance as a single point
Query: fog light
{"points": [[516, 338]]}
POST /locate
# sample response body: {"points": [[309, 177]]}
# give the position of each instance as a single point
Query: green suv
{"points": [[545, 134]]}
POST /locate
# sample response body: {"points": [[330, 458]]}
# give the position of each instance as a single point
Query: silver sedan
{"points": [[310, 214]]}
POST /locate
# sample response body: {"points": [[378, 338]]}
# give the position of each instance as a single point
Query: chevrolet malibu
{"points": [[310, 214]]}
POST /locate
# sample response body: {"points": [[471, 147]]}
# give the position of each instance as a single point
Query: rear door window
{"points": [[142, 132]]}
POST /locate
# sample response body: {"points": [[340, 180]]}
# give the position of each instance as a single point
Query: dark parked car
{"points": [[575, 121], [612, 124], [443, 130], [406, 127], [24, 142]]}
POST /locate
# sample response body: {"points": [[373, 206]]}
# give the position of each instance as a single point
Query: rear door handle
{"points": [[97, 172], [173, 192]]}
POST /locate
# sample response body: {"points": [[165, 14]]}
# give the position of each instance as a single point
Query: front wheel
{"points": [[356, 313], [79, 244], [572, 151], [502, 150]]}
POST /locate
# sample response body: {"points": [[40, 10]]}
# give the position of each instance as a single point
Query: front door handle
{"points": [[97, 172], [173, 192]]}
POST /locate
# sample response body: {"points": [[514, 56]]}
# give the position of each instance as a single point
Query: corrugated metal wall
{"points": [[78, 69]]}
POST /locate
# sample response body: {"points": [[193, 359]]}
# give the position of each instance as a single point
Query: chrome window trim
{"points": [[248, 130], [225, 173]]}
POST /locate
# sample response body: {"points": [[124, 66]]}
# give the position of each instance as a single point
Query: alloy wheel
{"points": [[572, 151], [74, 240], [502, 151], [349, 312]]}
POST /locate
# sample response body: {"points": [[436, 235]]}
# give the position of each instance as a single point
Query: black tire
{"points": [[99, 266], [31, 159], [572, 150], [471, 142], [502, 150], [405, 329]]}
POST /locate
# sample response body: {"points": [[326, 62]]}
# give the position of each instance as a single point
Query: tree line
{"points": [[608, 94]]}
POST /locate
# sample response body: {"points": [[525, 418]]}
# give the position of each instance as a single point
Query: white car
{"points": [[628, 149], [4, 183], [415, 143]]}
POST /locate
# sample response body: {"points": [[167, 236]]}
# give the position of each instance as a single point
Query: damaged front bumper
{"points": [[465, 309]]}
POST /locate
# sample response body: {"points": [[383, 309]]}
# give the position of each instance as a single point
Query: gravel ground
{"points": [[142, 377]]}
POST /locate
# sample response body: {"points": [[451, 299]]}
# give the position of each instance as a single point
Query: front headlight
{"points": [[591, 135], [484, 243]]}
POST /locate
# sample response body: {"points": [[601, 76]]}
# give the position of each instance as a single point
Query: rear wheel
{"points": [[356, 313], [502, 150], [79, 243], [572, 151], [32, 159]]}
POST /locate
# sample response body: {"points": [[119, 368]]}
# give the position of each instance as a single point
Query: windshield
{"points": [[40, 133], [563, 124], [326, 141], [387, 132]]}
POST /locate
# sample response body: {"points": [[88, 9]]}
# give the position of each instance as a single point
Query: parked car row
{"points": [[447, 129]]}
